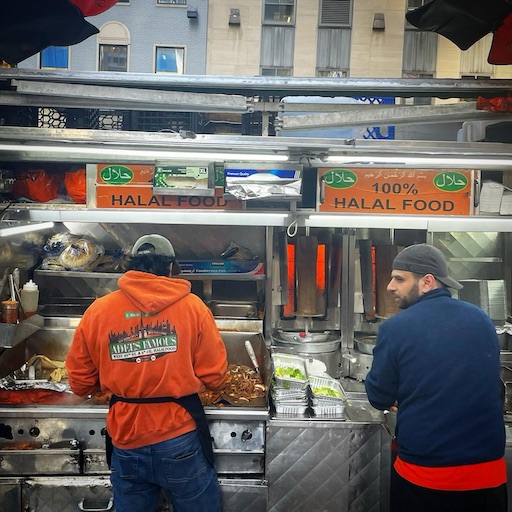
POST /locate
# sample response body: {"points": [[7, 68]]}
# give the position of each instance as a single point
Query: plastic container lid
{"points": [[30, 286]]}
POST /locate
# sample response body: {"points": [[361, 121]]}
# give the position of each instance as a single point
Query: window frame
{"points": [[126, 46], [275, 70], [157, 47], [41, 57], [277, 3]]}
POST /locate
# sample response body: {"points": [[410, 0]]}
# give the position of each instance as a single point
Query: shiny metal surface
{"points": [[50, 144], [327, 466], [443, 88], [39, 462], [238, 432], [68, 494], [10, 494], [473, 255]]}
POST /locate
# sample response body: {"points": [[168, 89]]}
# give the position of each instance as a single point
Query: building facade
{"points": [[344, 38]]}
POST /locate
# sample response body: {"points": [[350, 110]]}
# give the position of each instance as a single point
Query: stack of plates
{"points": [[289, 387], [328, 397]]}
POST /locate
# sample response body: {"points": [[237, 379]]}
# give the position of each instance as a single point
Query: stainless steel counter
{"points": [[328, 466]]}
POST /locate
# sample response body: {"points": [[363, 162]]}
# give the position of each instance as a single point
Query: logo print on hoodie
{"points": [[143, 342]]}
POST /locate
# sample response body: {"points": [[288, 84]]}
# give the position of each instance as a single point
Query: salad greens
{"points": [[288, 372], [326, 391]]}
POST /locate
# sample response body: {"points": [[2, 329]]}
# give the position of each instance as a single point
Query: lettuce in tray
{"points": [[326, 389]]}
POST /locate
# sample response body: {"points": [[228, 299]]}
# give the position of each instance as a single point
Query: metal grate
{"points": [[51, 118], [335, 12]]}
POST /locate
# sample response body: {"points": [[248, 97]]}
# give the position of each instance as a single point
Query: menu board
{"points": [[396, 191]]}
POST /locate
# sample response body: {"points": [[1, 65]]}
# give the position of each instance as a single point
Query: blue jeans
{"points": [[177, 466]]}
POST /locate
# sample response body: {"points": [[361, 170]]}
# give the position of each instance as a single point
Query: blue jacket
{"points": [[440, 360]]}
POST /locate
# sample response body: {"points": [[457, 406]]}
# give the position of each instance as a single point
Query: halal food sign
{"points": [[399, 191]]}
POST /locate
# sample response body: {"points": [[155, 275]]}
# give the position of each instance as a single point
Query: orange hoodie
{"points": [[150, 338]]}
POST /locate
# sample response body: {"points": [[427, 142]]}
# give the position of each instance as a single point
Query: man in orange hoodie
{"points": [[153, 345]]}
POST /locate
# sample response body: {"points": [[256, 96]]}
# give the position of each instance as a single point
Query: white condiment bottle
{"points": [[29, 298]]}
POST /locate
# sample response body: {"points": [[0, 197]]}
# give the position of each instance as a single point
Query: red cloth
{"points": [[501, 47], [469, 477], [93, 7]]}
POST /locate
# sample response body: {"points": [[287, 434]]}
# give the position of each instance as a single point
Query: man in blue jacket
{"points": [[438, 364]]}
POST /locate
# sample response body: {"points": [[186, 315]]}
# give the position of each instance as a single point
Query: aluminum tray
{"points": [[316, 382], [287, 360]]}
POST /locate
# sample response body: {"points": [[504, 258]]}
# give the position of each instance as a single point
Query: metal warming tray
{"points": [[234, 309]]}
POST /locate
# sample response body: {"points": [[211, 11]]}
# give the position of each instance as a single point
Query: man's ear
{"points": [[429, 283]]}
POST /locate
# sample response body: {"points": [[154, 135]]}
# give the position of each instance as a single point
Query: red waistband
{"points": [[455, 478]]}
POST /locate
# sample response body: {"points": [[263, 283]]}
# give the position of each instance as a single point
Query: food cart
{"points": [[289, 242]]}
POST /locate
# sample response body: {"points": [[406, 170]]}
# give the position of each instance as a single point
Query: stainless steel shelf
{"points": [[137, 216], [428, 223], [70, 274]]}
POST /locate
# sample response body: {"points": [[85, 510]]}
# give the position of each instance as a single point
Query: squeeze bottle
{"points": [[29, 298]]}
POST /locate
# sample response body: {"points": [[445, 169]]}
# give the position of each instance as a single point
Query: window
{"points": [[420, 54], [169, 60], [420, 47], [113, 47], [414, 4], [280, 12], [55, 57], [113, 57], [337, 13], [123, 1], [326, 73], [277, 45], [473, 61], [276, 71], [333, 51], [171, 2]]}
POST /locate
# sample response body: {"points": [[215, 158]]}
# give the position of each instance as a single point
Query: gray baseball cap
{"points": [[156, 245], [425, 259]]}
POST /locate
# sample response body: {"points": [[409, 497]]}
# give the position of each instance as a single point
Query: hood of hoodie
{"points": [[151, 293]]}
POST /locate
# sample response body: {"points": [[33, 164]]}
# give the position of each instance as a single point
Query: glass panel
{"points": [[113, 57], [333, 49], [279, 11], [276, 72], [169, 60], [329, 73], [414, 4], [277, 45], [55, 57], [473, 61], [420, 52]]}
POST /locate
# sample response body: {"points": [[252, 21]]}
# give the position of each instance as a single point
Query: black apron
{"points": [[191, 403]]}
